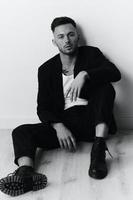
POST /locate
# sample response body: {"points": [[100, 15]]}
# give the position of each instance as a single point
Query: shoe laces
{"points": [[99, 153], [109, 152], [13, 173]]}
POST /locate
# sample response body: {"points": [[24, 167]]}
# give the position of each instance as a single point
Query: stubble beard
{"points": [[71, 53]]}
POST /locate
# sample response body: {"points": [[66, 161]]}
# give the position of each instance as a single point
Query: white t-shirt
{"points": [[67, 81]]}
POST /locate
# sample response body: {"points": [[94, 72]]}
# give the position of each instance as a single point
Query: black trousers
{"points": [[80, 120]]}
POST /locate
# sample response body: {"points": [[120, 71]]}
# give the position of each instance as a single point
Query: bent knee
{"points": [[108, 89], [20, 129]]}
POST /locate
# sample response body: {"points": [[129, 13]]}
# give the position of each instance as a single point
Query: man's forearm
{"points": [[85, 74], [57, 125]]}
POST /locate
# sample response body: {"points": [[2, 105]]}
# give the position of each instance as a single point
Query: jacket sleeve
{"points": [[102, 70], [45, 110]]}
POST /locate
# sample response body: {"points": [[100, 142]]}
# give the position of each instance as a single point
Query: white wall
{"points": [[25, 43]]}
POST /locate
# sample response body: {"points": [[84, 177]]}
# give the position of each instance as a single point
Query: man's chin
{"points": [[69, 52]]}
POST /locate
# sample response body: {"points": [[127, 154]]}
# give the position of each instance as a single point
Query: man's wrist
{"points": [[56, 125], [85, 74]]}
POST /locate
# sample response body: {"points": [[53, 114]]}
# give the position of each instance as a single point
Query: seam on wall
{"points": [[123, 122]]}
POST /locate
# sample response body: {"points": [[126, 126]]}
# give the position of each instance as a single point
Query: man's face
{"points": [[66, 38]]}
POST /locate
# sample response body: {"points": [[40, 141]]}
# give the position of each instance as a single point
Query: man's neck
{"points": [[68, 60]]}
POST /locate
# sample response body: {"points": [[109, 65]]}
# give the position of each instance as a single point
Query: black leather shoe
{"points": [[98, 166], [23, 180]]}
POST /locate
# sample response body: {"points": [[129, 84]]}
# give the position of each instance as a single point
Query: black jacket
{"points": [[50, 100]]}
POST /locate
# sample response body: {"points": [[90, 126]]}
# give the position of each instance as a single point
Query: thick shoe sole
{"points": [[16, 185], [97, 175]]}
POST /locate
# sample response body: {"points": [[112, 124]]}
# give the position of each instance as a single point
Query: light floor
{"points": [[68, 172]]}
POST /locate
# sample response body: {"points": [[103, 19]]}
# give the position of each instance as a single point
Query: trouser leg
{"points": [[82, 120], [26, 138], [103, 101], [102, 104], [78, 119]]}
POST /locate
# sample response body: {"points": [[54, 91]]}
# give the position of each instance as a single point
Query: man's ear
{"points": [[54, 43], [78, 37]]}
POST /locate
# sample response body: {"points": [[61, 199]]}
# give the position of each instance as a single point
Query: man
{"points": [[75, 103]]}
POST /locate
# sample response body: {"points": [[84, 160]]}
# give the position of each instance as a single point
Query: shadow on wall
{"points": [[82, 40], [123, 106], [123, 102]]}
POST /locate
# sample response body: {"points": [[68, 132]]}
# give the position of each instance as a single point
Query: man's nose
{"points": [[66, 39]]}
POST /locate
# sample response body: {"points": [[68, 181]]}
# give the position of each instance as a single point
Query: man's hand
{"points": [[77, 85], [65, 137]]}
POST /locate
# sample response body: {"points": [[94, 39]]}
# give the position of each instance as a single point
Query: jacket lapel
{"points": [[80, 63], [58, 83]]}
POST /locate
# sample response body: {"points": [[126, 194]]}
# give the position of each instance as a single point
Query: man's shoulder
{"points": [[88, 48], [49, 63], [89, 52]]}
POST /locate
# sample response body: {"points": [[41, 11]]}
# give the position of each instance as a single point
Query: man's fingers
{"points": [[73, 142], [75, 95], [78, 92], [72, 94], [68, 91], [61, 144], [68, 143], [64, 144]]}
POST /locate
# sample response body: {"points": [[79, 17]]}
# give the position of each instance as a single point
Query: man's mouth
{"points": [[68, 47]]}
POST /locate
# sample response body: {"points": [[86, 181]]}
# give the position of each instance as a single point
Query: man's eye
{"points": [[60, 37], [71, 34]]}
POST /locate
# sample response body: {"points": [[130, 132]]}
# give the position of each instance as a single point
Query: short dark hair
{"points": [[62, 20]]}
